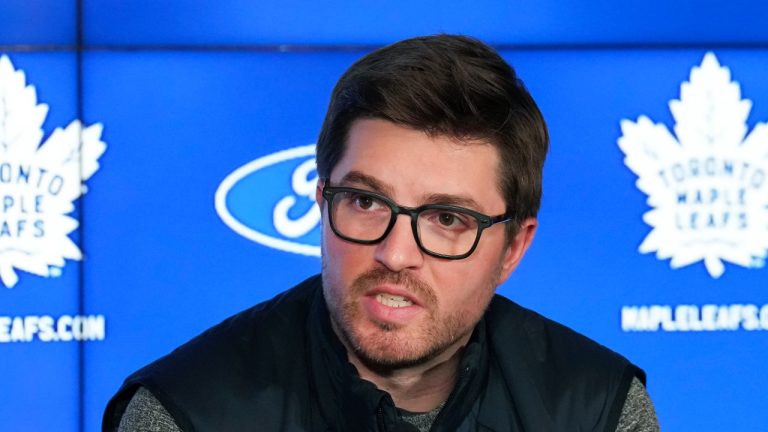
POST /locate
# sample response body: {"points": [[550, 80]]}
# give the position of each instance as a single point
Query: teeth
{"points": [[393, 300]]}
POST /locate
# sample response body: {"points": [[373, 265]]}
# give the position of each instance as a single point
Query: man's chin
{"points": [[388, 328], [390, 349], [384, 362]]}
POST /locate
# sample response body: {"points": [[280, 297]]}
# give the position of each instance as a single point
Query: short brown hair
{"points": [[445, 85]]}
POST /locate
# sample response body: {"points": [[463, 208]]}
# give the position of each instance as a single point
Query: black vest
{"points": [[279, 367]]}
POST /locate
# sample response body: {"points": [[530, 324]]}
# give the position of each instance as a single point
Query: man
{"points": [[430, 162]]}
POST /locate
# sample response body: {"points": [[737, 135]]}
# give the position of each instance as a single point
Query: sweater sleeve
{"points": [[146, 414], [638, 414]]}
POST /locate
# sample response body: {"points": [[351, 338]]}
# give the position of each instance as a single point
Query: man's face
{"points": [[392, 304]]}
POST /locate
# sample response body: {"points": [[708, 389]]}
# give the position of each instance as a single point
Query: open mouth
{"points": [[394, 301]]}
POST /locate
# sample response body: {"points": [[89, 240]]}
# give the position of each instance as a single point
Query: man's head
{"points": [[440, 122], [447, 85]]}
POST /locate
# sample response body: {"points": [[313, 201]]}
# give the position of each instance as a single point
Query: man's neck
{"points": [[419, 388]]}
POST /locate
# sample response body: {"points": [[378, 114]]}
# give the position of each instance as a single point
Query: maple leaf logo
{"points": [[706, 183], [39, 183]]}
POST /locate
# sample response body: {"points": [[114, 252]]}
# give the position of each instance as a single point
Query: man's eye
{"points": [[363, 202], [451, 220], [447, 219]]}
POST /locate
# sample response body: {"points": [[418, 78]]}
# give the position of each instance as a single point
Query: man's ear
{"points": [[319, 193], [517, 247]]}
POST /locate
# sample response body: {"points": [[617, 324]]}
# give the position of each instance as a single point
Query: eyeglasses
{"points": [[443, 231]]}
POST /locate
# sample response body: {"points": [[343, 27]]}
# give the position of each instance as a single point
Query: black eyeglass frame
{"points": [[483, 221]]}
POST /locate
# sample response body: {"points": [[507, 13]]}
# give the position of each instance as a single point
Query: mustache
{"points": [[413, 284]]}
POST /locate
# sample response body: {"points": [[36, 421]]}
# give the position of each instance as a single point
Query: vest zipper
{"points": [[380, 418]]}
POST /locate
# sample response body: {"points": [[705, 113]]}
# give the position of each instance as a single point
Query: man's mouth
{"points": [[394, 301]]}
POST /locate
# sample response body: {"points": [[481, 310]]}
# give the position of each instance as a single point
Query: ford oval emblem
{"points": [[271, 200]]}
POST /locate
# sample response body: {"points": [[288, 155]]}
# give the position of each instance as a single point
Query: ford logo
{"points": [[271, 200]]}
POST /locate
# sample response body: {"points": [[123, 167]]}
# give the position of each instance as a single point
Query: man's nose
{"points": [[399, 250]]}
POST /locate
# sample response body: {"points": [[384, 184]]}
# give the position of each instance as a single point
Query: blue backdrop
{"points": [[208, 108]]}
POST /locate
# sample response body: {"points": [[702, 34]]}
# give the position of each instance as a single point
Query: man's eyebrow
{"points": [[356, 178], [448, 199]]}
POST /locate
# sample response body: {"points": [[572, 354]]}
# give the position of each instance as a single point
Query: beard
{"points": [[385, 346]]}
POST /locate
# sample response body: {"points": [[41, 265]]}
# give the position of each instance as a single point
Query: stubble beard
{"points": [[388, 346]]}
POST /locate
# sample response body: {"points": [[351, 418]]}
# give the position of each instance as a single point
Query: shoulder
{"points": [[260, 347], [242, 339], [546, 340], [581, 380]]}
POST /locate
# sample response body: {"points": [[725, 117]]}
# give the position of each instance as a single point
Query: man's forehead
{"points": [[397, 160], [369, 134]]}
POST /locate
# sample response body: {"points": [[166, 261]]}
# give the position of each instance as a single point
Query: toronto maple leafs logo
{"points": [[39, 182], [707, 183]]}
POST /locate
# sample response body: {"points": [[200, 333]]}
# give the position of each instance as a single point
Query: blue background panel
{"points": [[243, 22], [38, 22], [41, 379]]}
